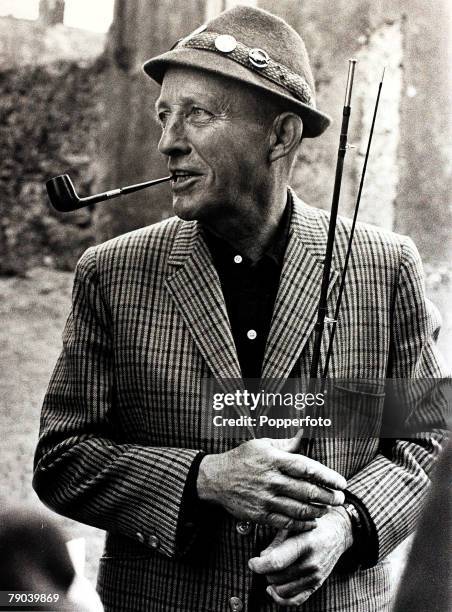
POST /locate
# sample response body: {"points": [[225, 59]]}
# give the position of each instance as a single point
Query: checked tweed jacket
{"points": [[123, 420]]}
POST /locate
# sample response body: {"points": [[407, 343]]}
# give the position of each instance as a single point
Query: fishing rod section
{"points": [[351, 236], [322, 306]]}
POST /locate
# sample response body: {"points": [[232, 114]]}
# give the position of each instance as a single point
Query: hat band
{"points": [[254, 59]]}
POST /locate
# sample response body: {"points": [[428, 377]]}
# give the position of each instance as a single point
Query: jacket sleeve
{"points": [[392, 487], [81, 467]]}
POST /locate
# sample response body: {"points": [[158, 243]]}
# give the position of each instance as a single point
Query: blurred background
{"points": [[73, 99]]}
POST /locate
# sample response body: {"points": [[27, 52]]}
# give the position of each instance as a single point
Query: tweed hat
{"points": [[256, 48]]}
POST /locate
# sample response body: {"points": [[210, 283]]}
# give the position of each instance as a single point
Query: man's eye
{"points": [[162, 117], [200, 113]]}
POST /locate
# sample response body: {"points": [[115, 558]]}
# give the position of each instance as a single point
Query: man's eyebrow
{"points": [[221, 104]]}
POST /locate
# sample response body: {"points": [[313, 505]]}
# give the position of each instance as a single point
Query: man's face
{"points": [[215, 135]]}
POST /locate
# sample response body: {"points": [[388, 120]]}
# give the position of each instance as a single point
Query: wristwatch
{"points": [[355, 518], [353, 557]]}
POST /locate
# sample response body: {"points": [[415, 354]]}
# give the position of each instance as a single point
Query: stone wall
{"points": [[49, 121], [49, 132]]}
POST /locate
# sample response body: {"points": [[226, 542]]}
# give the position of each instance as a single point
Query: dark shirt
{"points": [[249, 290]]}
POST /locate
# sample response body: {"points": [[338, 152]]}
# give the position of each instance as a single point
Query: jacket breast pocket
{"points": [[355, 408]]}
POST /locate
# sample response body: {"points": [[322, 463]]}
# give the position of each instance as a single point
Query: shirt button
{"points": [[243, 527], [236, 604], [154, 542], [140, 537], [238, 259], [251, 334]]}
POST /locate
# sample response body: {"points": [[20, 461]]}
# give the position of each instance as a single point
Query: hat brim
{"points": [[314, 122]]}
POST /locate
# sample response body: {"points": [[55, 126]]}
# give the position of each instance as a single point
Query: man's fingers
{"points": [[295, 587], [277, 540], [296, 571], [295, 510], [280, 557], [308, 492], [283, 534], [300, 466], [293, 601], [280, 520], [304, 526]]}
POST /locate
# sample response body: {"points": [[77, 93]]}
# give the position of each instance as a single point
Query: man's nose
{"points": [[173, 140]]}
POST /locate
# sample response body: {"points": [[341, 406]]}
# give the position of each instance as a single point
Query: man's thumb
{"points": [[278, 539], [290, 445]]}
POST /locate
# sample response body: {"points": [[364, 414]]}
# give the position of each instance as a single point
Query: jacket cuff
{"points": [[364, 551], [191, 509]]}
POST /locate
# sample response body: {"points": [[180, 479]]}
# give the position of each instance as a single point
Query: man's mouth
{"points": [[183, 178]]}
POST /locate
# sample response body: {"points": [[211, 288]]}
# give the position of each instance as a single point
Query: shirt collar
{"points": [[222, 251]]}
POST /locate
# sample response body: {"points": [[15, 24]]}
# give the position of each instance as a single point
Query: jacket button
{"points": [[235, 604], [154, 542], [244, 527], [140, 537]]}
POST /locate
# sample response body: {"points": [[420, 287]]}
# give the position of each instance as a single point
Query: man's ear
{"points": [[286, 134]]}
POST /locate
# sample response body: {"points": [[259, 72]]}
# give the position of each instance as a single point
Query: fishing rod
{"points": [[322, 306], [350, 240], [327, 264]]}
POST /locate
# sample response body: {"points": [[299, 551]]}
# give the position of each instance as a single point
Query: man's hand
{"points": [[266, 482], [297, 565]]}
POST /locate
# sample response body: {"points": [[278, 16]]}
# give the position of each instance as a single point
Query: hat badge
{"points": [[225, 43], [258, 58]]}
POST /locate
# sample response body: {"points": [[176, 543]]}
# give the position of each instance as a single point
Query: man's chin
{"points": [[186, 209]]}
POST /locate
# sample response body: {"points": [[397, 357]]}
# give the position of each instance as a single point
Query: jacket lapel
{"points": [[297, 300], [195, 288]]}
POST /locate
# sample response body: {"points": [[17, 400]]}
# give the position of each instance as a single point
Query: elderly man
{"points": [[228, 289]]}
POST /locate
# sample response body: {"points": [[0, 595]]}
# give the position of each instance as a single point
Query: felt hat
{"points": [[256, 48]]}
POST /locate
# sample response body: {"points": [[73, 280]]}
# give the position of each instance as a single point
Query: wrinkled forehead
{"points": [[186, 83]]}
